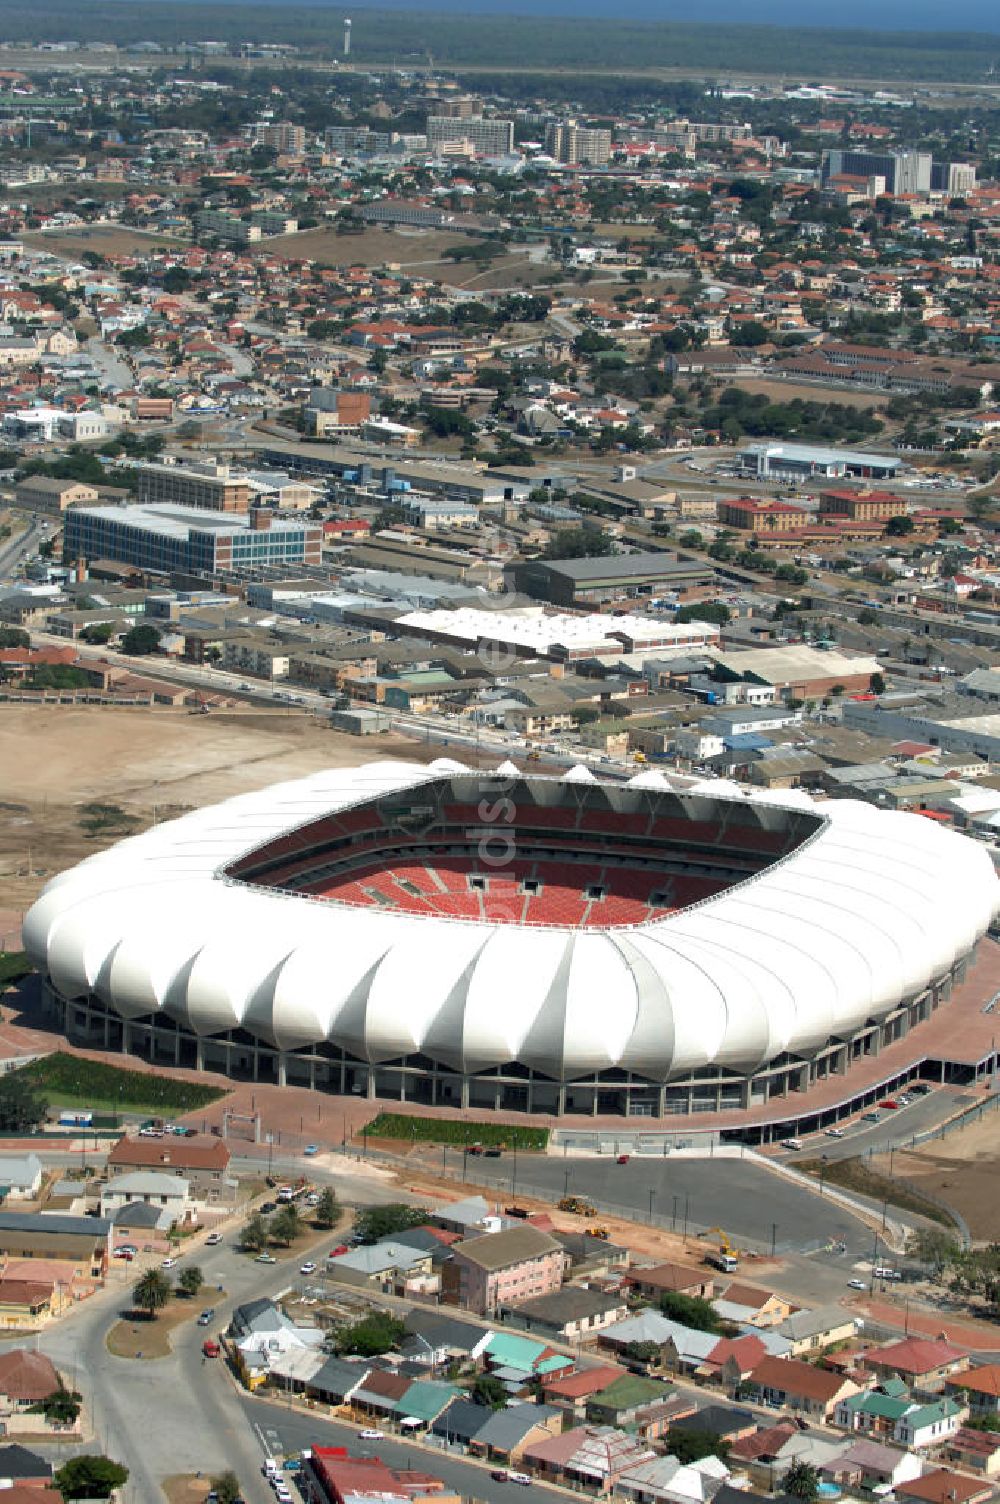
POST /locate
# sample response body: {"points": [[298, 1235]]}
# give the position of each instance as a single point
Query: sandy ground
{"points": [[55, 758], [961, 1169], [788, 391]]}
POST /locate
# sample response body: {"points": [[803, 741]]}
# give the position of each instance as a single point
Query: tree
{"points": [[190, 1281], [802, 1482], [14, 637], [254, 1234], [867, 617], [376, 1222], [286, 1224], [691, 1446], [587, 542], [21, 1108], [60, 1408], [327, 1211], [934, 1246], [643, 1352], [489, 1390], [227, 1488], [378, 1332], [899, 527], [690, 1310], [90, 1477], [877, 684], [97, 634], [151, 1292], [716, 611], [141, 640], [749, 333]]}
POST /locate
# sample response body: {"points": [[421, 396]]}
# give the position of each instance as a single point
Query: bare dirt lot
{"points": [[417, 251], [789, 391], [960, 1169], [106, 240], [57, 758]]}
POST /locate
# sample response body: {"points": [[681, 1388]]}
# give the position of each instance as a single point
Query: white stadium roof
{"points": [[860, 917]]}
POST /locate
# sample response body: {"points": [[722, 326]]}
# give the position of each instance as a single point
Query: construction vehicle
{"points": [[597, 1232], [577, 1206], [727, 1257]]}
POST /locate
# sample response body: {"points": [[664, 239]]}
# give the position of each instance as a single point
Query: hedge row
{"points": [[396, 1125], [61, 1076]]}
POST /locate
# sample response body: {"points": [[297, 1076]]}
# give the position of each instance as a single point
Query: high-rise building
{"points": [[903, 171], [571, 143], [350, 140], [953, 178], [489, 137], [280, 135]]}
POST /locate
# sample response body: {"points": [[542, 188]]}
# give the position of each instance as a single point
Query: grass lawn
{"points": [[854, 1175], [14, 965], [136, 1337], [396, 1125], [70, 1081]]}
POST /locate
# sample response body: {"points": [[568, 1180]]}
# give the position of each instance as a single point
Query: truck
{"points": [[727, 1262], [577, 1206]]}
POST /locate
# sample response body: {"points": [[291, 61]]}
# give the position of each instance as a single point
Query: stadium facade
{"points": [[493, 941]]}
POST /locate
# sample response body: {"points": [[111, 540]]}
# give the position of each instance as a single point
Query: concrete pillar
{"points": [[107, 1031], [256, 1063], [126, 1035], [370, 1083], [199, 1053], [561, 1101], [282, 1068], [312, 1072], [177, 1046]]}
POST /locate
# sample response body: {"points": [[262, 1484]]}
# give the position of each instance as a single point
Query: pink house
{"points": [[503, 1268]]}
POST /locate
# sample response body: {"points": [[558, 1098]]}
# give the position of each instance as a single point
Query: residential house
{"points": [[27, 1304], [570, 1392], [436, 1338], [792, 1385], [506, 1434], [202, 1162], [26, 1378], [619, 1402], [331, 1475], [569, 1315], [809, 1331], [169, 1194], [258, 1333], [664, 1480], [21, 1469], [80, 1242], [979, 1388], [503, 1268], [20, 1176], [922, 1362], [941, 1486], [891, 1412], [388, 1266], [868, 1466], [590, 1457], [678, 1279], [746, 1304], [975, 1451]]}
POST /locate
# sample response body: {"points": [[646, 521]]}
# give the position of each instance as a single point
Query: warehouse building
{"points": [[794, 461], [583, 582]]}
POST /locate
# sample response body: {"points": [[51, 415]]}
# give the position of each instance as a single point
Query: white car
{"points": [[370, 1434], [855, 1284], [281, 1491], [168, 1263], [213, 1240], [835, 1133], [791, 1143], [308, 1267]]}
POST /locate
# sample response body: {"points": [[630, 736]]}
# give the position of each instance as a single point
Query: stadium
{"points": [[557, 945]]}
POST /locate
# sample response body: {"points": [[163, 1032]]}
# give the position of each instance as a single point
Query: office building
{"points": [[953, 178], [488, 138], [214, 488], [349, 140], [186, 540], [905, 172]]}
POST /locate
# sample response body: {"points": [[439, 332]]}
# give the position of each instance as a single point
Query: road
{"points": [[745, 1199], [14, 550]]}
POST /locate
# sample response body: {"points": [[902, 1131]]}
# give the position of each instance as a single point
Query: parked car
{"points": [[213, 1240], [622, 1159], [791, 1143], [855, 1284], [523, 1478], [206, 1316], [168, 1264], [890, 1104], [834, 1132], [311, 1149], [370, 1434], [871, 1117], [124, 1253], [308, 1267], [265, 1258], [210, 1348]]}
